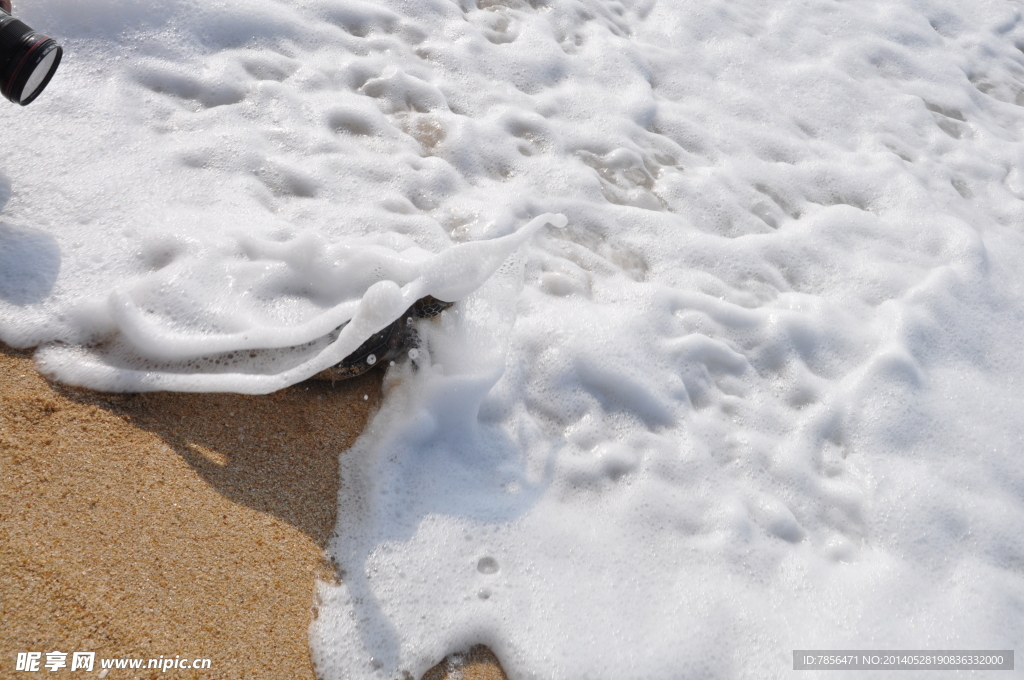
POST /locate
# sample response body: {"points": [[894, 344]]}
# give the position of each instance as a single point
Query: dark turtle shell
{"points": [[386, 344], [429, 306]]}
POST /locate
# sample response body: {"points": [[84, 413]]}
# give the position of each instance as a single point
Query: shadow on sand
{"points": [[275, 453]]}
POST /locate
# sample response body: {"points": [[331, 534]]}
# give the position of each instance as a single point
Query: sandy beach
{"points": [[174, 525]]}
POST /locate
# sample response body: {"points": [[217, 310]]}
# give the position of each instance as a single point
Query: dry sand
{"points": [[173, 524]]}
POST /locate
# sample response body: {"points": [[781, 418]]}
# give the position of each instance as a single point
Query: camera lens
{"points": [[27, 60]]}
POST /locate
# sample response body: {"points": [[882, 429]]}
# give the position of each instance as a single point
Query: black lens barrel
{"points": [[22, 51]]}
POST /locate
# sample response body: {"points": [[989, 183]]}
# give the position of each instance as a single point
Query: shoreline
{"points": [[164, 524]]}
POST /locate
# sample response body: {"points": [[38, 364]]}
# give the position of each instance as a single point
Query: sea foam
{"points": [[760, 393]]}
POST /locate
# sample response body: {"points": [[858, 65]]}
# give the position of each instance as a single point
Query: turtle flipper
{"points": [[379, 347], [387, 344]]}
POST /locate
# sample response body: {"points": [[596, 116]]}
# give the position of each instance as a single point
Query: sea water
{"points": [[735, 367]]}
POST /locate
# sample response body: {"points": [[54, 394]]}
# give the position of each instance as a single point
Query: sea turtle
{"points": [[386, 344]]}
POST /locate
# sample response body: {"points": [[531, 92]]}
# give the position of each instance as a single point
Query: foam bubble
{"points": [[487, 565]]}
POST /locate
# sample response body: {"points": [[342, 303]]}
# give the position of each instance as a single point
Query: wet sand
{"points": [[168, 524], [163, 524]]}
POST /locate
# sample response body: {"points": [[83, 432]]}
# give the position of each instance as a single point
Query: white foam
{"points": [[170, 360], [760, 393]]}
